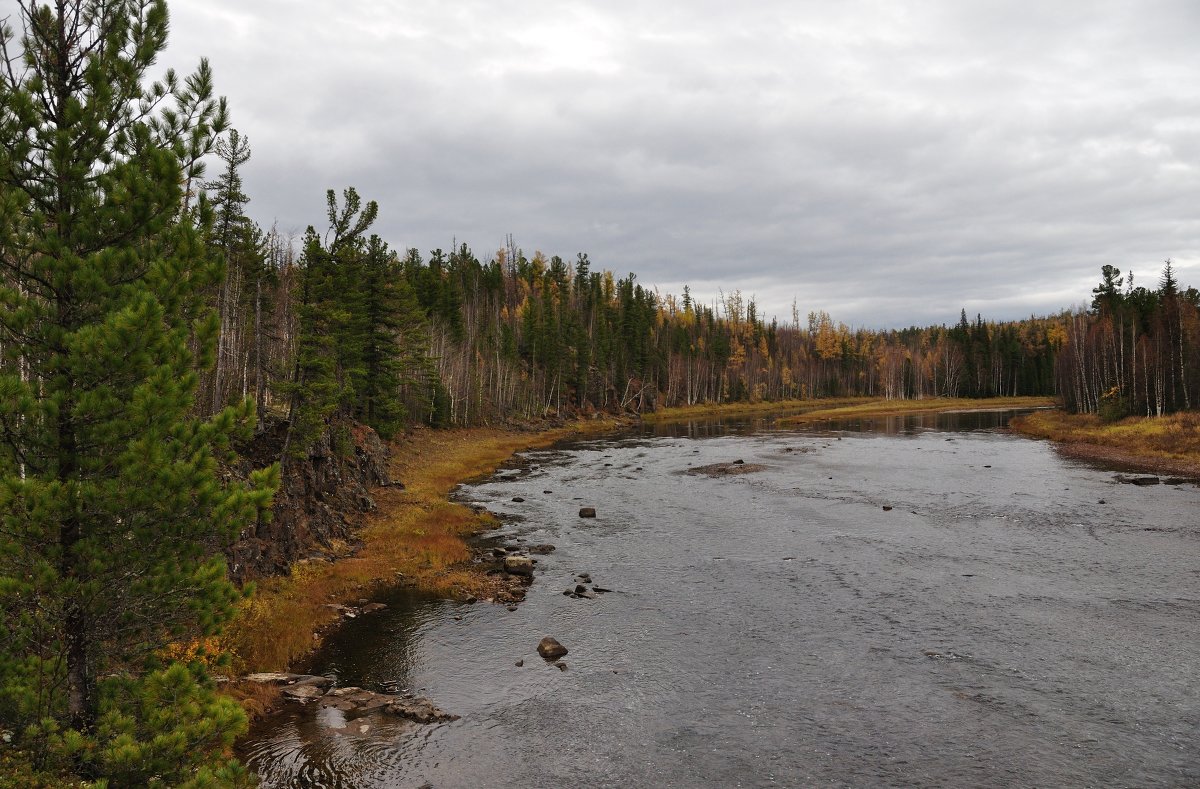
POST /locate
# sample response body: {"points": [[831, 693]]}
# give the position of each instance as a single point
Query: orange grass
{"points": [[1168, 442], [416, 537], [875, 408], [256, 698], [801, 411], [699, 411]]}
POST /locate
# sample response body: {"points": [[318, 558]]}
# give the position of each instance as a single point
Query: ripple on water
{"points": [[996, 627]]}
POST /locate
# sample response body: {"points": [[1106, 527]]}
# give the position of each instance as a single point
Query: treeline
{"points": [[347, 327], [1136, 351], [342, 326], [537, 335]]}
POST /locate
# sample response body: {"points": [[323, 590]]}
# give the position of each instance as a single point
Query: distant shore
{"points": [[791, 412], [1165, 445]]}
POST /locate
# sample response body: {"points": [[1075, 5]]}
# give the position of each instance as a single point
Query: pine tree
{"points": [[111, 510]]}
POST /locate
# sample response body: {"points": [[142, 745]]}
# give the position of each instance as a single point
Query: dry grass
{"points": [[881, 408], [857, 407], [416, 536], [256, 698], [802, 411], [681, 413], [1168, 443]]}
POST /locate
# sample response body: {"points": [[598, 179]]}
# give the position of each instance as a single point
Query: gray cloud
{"points": [[889, 163]]}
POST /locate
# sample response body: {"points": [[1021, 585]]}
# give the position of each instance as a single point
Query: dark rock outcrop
{"points": [[320, 502]]}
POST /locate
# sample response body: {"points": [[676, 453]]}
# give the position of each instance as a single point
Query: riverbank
{"points": [[416, 537], [1164, 445], [764, 408], [938, 405], [795, 412]]}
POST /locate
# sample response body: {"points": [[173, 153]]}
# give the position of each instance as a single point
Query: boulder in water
{"points": [[550, 649], [419, 710], [518, 565]]}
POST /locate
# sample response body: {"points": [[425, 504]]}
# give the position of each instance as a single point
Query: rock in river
{"points": [[550, 649], [1142, 481], [357, 701], [725, 469], [293, 680], [302, 693], [518, 565], [587, 512], [419, 710]]}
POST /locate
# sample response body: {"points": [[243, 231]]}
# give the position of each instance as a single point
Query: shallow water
{"points": [[999, 626]]}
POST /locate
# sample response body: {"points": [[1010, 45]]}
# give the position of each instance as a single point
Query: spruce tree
{"points": [[394, 342], [111, 509], [329, 354]]}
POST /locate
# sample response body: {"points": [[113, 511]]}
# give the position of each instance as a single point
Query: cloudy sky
{"points": [[887, 162]]}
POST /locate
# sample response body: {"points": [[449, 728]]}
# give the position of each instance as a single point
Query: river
{"points": [[920, 600]]}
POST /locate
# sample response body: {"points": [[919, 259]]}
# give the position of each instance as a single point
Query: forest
{"points": [[149, 328], [529, 336]]}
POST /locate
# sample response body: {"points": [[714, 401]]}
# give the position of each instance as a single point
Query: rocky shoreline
{"points": [[353, 702], [509, 569]]}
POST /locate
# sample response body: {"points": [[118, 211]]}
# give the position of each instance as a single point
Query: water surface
{"points": [[1014, 619]]}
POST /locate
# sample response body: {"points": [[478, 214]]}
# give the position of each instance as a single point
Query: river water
{"points": [[1014, 619]]}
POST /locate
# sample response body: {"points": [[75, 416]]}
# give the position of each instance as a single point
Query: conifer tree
{"points": [[239, 245], [329, 355], [111, 510], [393, 339]]}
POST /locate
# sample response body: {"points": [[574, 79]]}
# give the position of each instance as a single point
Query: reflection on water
{"points": [[919, 600]]}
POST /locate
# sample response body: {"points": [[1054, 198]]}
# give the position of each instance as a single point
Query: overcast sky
{"points": [[886, 162]]}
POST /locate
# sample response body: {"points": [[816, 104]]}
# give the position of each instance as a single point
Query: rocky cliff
{"points": [[320, 502]]}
